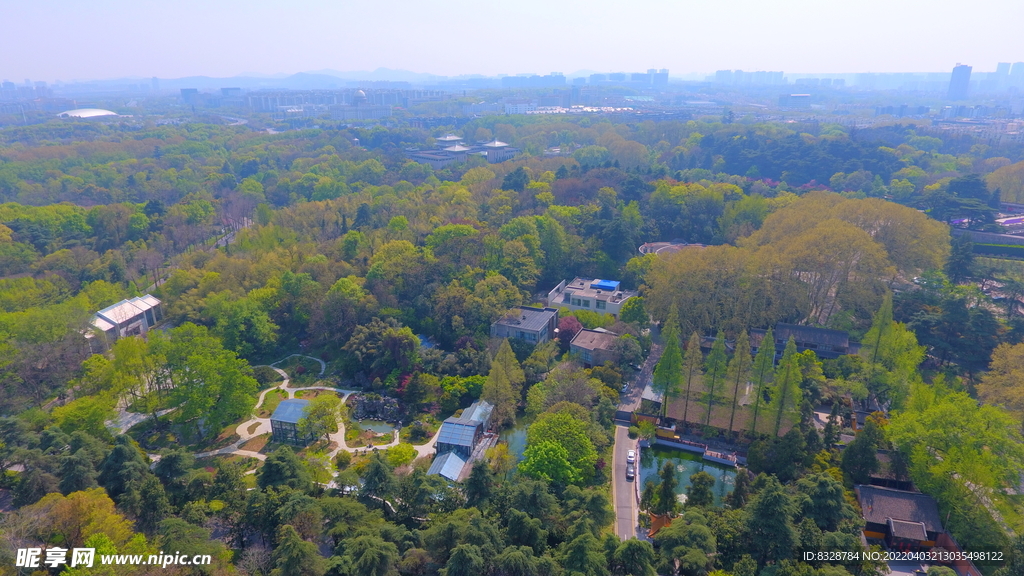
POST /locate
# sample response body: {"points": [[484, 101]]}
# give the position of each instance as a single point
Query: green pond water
{"points": [[378, 426], [515, 437], [686, 463]]}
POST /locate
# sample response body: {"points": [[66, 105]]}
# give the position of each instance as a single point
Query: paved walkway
{"points": [[125, 420], [262, 425], [323, 365]]}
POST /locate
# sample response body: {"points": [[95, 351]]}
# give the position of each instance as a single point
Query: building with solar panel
{"points": [[458, 438], [284, 423], [605, 296]]}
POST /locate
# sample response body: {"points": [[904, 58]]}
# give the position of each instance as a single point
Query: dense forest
{"points": [[322, 264]]}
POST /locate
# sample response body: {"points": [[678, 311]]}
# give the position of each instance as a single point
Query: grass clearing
{"points": [[257, 443], [270, 402]]}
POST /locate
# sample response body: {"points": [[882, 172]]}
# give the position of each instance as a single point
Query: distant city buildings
{"points": [[797, 101], [533, 81], [653, 77], [959, 82], [740, 78], [360, 109]]}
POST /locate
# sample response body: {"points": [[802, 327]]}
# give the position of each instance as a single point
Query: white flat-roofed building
{"points": [[133, 317], [83, 113], [603, 296]]}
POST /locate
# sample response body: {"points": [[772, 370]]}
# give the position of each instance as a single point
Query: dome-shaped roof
{"points": [[86, 113]]}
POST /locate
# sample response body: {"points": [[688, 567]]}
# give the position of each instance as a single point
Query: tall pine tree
{"points": [[692, 368], [499, 393], [668, 374], [715, 368], [786, 392], [739, 371], [763, 372], [513, 371]]}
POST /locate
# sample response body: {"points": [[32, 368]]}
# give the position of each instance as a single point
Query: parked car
{"points": [[625, 388], [630, 456], [630, 471]]}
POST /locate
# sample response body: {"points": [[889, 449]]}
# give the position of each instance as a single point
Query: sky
{"points": [[103, 39]]}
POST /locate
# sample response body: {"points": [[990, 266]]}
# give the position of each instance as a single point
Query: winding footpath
{"points": [[256, 426]]}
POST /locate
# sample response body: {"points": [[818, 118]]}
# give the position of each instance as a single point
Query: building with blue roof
{"points": [[284, 423], [605, 296]]}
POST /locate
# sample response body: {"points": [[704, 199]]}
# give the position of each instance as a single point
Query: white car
{"points": [[630, 456]]}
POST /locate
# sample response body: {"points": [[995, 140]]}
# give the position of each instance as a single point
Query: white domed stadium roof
{"points": [[86, 113]]}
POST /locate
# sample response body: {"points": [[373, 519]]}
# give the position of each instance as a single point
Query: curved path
{"points": [[263, 424], [323, 365]]}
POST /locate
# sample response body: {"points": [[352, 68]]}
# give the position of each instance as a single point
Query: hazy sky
{"points": [[92, 39]]}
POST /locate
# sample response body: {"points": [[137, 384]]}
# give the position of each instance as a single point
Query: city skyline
{"points": [[114, 39]]}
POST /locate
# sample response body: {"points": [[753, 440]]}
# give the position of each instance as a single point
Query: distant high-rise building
{"points": [[640, 77], [598, 78], [617, 77], [960, 82], [190, 95], [1003, 68], [661, 76], [1017, 74], [723, 76]]}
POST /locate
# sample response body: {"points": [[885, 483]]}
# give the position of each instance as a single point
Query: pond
{"points": [[515, 437], [686, 463], [378, 426]]}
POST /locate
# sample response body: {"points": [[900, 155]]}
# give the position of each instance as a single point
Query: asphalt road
{"points": [[623, 491]]}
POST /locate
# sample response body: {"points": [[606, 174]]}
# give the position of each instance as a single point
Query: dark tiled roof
{"points": [[821, 336], [879, 504], [594, 340], [528, 318], [291, 410], [908, 530]]}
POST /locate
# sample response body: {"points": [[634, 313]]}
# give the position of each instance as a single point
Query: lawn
{"points": [[270, 402], [166, 435], [423, 433], [256, 444], [301, 370], [310, 394]]}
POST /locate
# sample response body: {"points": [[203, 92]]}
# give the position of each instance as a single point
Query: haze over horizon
{"points": [[51, 40]]}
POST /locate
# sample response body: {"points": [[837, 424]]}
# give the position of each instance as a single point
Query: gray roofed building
{"points": [[892, 513], [284, 423], [458, 433], [529, 323], [908, 530], [448, 465], [825, 343], [594, 347], [132, 317], [461, 435]]}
